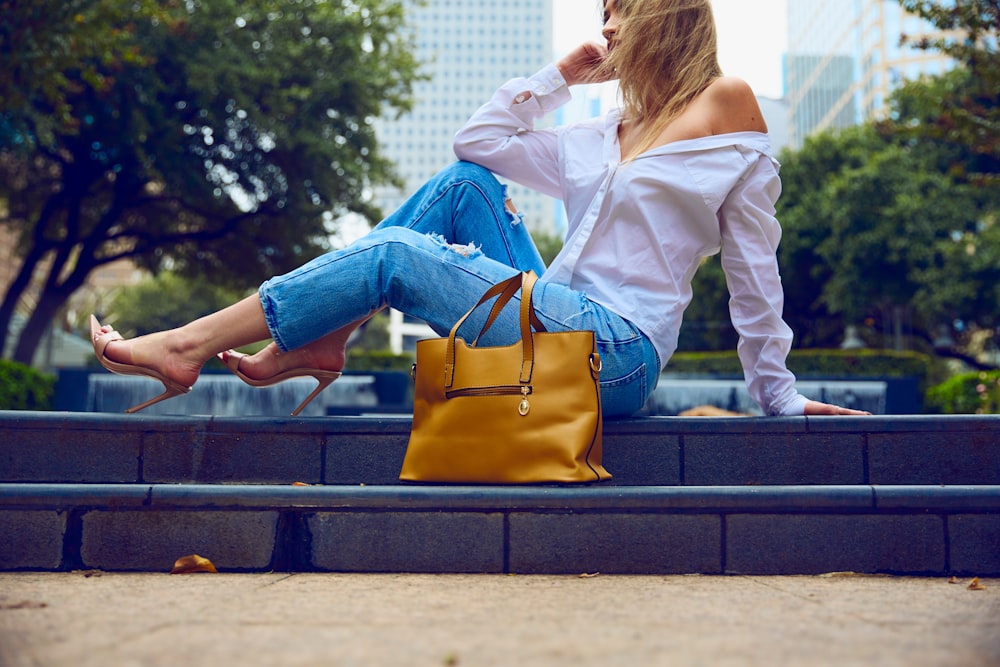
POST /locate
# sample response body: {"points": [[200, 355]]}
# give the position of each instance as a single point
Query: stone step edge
{"points": [[790, 499], [17, 420]]}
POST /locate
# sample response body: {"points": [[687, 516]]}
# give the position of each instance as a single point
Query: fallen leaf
{"points": [[191, 564], [953, 580], [589, 576], [300, 484], [974, 585], [89, 573], [23, 604]]}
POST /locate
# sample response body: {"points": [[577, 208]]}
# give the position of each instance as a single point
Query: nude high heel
{"points": [[232, 360], [101, 339]]}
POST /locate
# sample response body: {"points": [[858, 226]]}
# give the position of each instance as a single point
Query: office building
{"points": [[468, 48], [845, 58]]}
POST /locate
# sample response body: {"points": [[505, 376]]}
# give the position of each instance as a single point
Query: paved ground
{"points": [[112, 620]]}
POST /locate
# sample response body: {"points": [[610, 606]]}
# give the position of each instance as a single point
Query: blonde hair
{"points": [[664, 54]]}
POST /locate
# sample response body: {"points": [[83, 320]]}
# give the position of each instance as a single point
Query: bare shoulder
{"points": [[733, 106]]}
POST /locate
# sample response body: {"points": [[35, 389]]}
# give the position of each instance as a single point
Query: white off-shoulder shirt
{"points": [[639, 230]]}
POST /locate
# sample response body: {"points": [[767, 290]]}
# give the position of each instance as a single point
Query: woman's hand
{"points": [[817, 408], [583, 64]]}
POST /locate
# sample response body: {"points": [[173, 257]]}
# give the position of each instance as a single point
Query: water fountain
{"points": [[225, 395], [674, 395]]}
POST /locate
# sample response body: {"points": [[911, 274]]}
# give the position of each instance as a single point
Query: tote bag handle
{"points": [[505, 291]]}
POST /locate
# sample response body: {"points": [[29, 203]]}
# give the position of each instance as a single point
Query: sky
{"points": [[752, 36]]}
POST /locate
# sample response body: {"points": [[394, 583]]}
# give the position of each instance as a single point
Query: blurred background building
{"points": [[469, 48], [845, 57]]}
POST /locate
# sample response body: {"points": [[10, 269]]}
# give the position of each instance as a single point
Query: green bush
{"points": [[925, 368], [967, 393], [378, 360], [24, 388], [818, 363], [829, 364]]}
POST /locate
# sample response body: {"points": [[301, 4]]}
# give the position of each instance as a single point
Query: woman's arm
{"points": [[750, 236], [501, 134]]}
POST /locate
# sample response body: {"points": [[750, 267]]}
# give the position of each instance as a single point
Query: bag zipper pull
{"points": [[523, 406]]}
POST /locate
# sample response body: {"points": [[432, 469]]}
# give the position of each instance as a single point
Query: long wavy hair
{"points": [[664, 54]]}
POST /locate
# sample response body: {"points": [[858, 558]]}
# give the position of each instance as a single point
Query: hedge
{"points": [[820, 363], [24, 388], [966, 393]]}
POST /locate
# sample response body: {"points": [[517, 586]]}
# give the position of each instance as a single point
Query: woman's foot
{"points": [[323, 354], [271, 366], [161, 352]]}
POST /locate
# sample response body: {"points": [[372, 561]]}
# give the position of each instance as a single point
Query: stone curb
{"points": [[541, 530]]}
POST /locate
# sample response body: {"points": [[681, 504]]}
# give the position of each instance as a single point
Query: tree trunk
{"points": [[55, 294], [14, 293], [39, 324], [53, 297], [34, 256]]}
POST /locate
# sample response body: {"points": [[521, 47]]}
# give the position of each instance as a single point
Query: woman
{"points": [[681, 172]]}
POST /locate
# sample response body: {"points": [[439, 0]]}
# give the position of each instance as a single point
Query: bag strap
{"points": [[505, 297], [527, 341], [504, 291]]}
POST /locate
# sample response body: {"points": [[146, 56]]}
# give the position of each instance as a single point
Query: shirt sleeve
{"points": [[750, 236], [501, 135]]}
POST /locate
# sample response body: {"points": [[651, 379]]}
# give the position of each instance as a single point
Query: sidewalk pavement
{"points": [[105, 619]]}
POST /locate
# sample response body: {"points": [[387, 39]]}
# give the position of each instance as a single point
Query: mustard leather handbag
{"points": [[518, 414]]}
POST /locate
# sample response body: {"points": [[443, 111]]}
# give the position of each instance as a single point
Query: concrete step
{"points": [[907, 495], [914, 530], [67, 447]]}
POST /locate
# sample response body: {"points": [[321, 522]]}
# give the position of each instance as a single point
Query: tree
{"points": [[548, 245], [875, 229], [963, 107], [219, 139], [55, 49], [707, 322]]}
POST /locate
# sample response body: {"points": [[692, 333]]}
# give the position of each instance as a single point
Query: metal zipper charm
{"points": [[523, 406]]}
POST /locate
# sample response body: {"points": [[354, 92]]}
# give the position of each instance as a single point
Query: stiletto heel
{"points": [[101, 339], [324, 379]]}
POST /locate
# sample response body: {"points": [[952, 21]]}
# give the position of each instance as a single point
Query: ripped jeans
{"points": [[433, 259]]}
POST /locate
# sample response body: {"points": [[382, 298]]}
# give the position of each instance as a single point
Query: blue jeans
{"points": [[433, 259]]}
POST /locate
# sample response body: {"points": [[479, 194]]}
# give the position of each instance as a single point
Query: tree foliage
{"points": [[876, 230], [896, 224], [217, 138], [55, 50], [961, 108]]}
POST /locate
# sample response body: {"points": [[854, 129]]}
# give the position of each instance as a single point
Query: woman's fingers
{"points": [[582, 64], [817, 408]]}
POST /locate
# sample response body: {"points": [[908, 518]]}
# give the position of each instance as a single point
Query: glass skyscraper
{"points": [[845, 57], [469, 48]]}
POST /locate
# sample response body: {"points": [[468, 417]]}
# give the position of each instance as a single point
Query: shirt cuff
{"points": [[795, 407], [547, 80], [547, 87]]}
